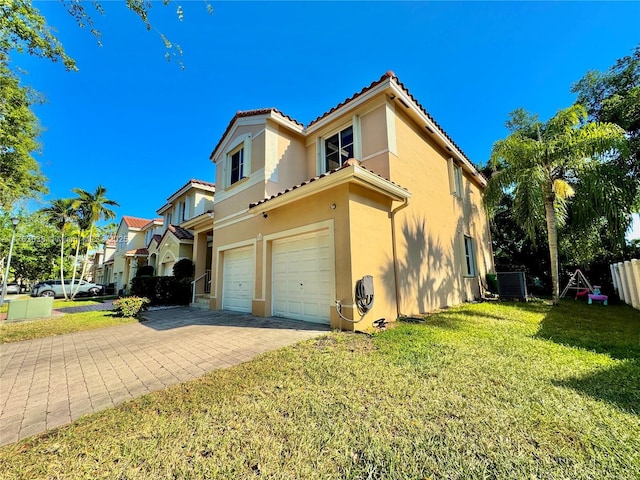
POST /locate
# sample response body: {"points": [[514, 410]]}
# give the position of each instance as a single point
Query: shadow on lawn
{"points": [[619, 385], [613, 331]]}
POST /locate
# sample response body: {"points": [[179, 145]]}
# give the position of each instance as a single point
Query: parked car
{"points": [[53, 288], [13, 288]]}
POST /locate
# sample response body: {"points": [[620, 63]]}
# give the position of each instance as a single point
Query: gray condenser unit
{"points": [[512, 285]]}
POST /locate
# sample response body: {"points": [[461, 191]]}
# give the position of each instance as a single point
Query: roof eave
{"points": [[350, 174], [436, 132], [350, 105]]}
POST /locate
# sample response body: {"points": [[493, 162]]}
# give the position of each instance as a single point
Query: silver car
{"points": [[12, 288], [53, 288]]}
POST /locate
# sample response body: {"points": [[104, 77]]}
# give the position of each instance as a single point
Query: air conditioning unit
{"points": [[512, 285]]}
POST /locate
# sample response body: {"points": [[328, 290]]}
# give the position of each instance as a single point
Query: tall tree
{"points": [[36, 248], [538, 163], [614, 96], [92, 207], [20, 174], [62, 214]]}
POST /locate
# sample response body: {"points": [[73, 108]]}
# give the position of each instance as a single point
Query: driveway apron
{"points": [[48, 382]]}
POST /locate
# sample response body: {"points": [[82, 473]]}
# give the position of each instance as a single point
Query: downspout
{"points": [[392, 215]]}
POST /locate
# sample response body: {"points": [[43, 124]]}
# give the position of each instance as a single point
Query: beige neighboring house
{"points": [[188, 233], [185, 230], [373, 187], [131, 251], [103, 262]]}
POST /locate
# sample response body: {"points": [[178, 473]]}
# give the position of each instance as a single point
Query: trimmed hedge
{"points": [[162, 290]]}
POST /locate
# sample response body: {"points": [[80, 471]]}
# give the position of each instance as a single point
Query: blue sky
{"points": [[142, 127]]}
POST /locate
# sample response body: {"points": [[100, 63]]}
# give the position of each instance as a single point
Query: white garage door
{"points": [[302, 273], [237, 280]]}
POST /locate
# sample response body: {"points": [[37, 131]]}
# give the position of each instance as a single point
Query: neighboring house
{"points": [[185, 230], [298, 221], [188, 233], [131, 251], [103, 261]]}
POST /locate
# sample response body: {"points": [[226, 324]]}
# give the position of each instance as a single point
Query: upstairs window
{"points": [[338, 148], [457, 180], [237, 166], [182, 211]]}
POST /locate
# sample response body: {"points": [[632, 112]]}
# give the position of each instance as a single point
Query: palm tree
{"points": [[539, 163], [62, 214], [92, 207]]}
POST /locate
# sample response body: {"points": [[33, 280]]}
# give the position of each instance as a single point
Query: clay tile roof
{"points": [[251, 113], [388, 74], [180, 233], [197, 182], [138, 251], [406, 90], [135, 222], [157, 237], [155, 220], [110, 242], [311, 180], [201, 182]]}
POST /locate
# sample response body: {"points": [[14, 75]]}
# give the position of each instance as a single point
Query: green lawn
{"points": [[480, 391], [69, 323]]}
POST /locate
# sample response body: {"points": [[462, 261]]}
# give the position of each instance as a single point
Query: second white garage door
{"points": [[237, 280], [302, 273]]}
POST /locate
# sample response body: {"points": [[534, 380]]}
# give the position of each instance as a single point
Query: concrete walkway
{"points": [[48, 382]]}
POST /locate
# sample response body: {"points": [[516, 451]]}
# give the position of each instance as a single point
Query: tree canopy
{"points": [[540, 163]]}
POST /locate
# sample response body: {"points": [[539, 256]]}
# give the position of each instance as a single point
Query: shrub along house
{"points": [[373, 187]]}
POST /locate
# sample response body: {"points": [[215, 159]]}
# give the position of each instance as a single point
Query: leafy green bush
{"points": [[184, 269], [145, 271], [162, 290], [171, 291], [130, 306], [145, 287]]}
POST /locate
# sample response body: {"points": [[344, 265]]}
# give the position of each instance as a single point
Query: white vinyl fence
{"points": [[626, 281]]}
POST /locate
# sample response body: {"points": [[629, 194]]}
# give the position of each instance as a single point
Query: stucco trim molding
{"points": [[349, 174]]}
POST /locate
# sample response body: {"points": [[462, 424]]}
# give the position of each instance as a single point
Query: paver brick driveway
{"points": [[48, 382]]}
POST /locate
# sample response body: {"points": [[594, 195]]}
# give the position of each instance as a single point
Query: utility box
{"points": [[512, 285], [36, 307]]}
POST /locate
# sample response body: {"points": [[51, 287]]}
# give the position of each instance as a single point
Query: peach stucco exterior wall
{"points": [[281, 222], [430, 245], [371, 252]]}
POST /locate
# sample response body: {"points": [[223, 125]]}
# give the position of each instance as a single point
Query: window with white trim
{"points": [[236, 166], [469, 258], [338, 148], [236, 163]]}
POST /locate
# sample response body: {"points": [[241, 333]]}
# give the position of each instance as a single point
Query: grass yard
{"points": [[60, 303], [69, 323], [479, 391]]}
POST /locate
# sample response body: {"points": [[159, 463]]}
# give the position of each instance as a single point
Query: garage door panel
{"points": [[238, 283], [302, 273]]}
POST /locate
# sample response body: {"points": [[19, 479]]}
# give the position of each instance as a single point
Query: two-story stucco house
{"points": [[185, 230], [130, 250], [188, 233], [373, 187]]}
